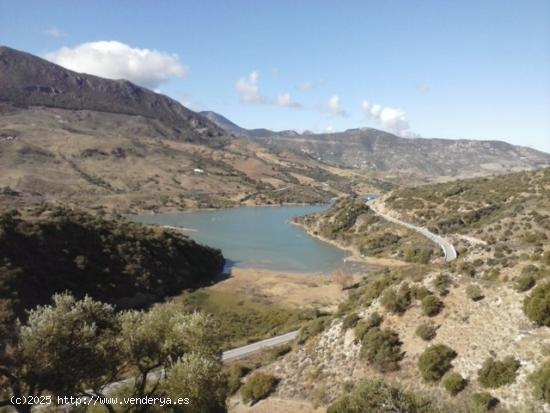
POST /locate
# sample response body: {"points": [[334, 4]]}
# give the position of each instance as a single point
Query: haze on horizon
{"points": [[432, 69]]}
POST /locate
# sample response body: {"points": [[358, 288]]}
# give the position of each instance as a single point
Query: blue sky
{"points": [[468, 69]]}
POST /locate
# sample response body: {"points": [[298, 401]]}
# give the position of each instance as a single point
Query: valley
{"points": [[138, 236]]}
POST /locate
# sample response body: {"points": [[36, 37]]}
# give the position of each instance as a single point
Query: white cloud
{"points": [[116, 60], [391, 119], [248, 89], [55, 32], [334, 107], [286, 101]]}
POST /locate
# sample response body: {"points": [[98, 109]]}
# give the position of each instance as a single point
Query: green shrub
{"points": [[313, 328], [234, 374], [537, 305], [483, 402], [363, 326], [258, 386], [474, 293], [454, 383], [431, 305], [382, 349], [279, 351], [442, 283], [435, 362], [397, 301], [530, 270], [426, 331], [495, 373], [419, 292], [540, 380], [524, 282], [350, 321], [374, 396]]}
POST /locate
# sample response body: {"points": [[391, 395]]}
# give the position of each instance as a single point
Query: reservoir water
{"points": [[256, 237]]}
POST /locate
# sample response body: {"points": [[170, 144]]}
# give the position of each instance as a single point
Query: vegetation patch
{"points": [[454, 383], [524, 282], [497, 373], [435, 362], [431, 305], [382, 349], [241, 319], [364, 326], [397, 301], [537, 305], [258, 386], [375, 396], [350, 321], [131, 265], [426, 331], [540, 380], [474, 292], [483, 402]]}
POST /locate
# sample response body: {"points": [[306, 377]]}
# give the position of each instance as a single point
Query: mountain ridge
{"points": [[377, 150]]}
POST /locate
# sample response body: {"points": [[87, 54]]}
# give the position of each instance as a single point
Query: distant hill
{"points": [[27, 80], [47, 251], [100, 143], [378, 151], [235, 129]]}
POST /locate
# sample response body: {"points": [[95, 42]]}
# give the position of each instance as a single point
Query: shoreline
{"points": [[355, 255]]}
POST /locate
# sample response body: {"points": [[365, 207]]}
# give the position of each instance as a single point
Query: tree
{"points": [[161, 338], [199, 378], [63, 348], [77, 348]]}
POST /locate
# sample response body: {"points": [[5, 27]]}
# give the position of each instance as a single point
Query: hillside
{"points": [[110, 144], [375, 151], [455, 337], [49, 250]]}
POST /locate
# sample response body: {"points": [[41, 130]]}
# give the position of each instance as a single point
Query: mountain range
{"points": [[375, 150], [111, 144]]}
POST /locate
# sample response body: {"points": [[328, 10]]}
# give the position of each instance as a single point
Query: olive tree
{"points": [[63, 348]]}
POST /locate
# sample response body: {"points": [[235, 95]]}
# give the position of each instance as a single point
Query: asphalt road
{"points": [[448, 248], [249, 349]]}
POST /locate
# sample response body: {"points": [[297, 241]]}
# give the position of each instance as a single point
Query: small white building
{"points": [[198, 171]]}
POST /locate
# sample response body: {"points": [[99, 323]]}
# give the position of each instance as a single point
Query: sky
{"points": [[446, 69]]}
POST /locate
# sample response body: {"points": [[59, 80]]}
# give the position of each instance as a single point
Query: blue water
{"points": [[257, 237]]}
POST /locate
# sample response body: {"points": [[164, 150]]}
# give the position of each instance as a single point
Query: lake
{"points": [[257, 237]]}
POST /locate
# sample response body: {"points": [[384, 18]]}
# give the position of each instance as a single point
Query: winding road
{"points": [[449, 251]]}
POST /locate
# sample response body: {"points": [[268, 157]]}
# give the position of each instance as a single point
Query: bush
{"points": [[483, 402], [435, 362], [234, 374], [540, 380], [495, 373], [378, 397], [426, 331], [397, 301], [258, 386], [350, 321], [474, 293], [442, 283], [313, 328], [524, 282], [454, 383], [431, 305], [382, 348], [537, 305], [419, 292], [363, 326]]}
